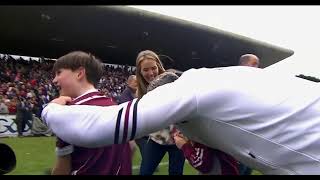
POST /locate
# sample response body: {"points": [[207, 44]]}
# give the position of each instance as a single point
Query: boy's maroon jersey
{"points": [[109, 160]]}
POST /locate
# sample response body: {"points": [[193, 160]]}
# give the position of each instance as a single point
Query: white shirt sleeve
{"points": [[95, 126], [63, 151]]}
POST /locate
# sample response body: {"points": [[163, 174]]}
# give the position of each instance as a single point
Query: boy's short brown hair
{"points": [[76, 59]]}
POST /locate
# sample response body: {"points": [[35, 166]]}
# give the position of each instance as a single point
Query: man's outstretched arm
{"points": [[95, 126]]}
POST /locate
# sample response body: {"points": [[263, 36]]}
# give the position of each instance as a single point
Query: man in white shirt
{"points": [[252, 61], [268, 122]]}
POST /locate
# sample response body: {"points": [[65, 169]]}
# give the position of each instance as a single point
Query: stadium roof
{"points": [[117, 33]]}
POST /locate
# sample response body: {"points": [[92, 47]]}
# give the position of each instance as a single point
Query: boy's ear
{"points": [[81, 72]]}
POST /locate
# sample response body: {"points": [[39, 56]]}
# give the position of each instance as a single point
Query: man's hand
{"points": [[62, 100]]}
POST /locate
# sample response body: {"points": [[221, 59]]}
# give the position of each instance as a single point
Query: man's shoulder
{"points": [[126, 95], [127, 90]]}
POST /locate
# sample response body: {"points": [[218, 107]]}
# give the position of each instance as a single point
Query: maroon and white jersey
{"points": [[108, 160], [209, 161]]}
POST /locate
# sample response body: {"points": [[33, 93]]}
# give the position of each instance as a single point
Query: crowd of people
{"points": [[113, 80], [27, 83]]}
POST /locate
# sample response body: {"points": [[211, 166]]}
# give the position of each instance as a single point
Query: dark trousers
{"points": [[141, 143], [244, 170], [153, 154], [21, 124], [21, 121]]}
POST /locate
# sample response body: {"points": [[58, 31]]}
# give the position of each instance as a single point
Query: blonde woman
{"points": [[154, 147]]}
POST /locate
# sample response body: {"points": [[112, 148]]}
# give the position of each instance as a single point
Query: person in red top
{"points": [[33, 82], [12, 105], [76, 74], [205, 159]]}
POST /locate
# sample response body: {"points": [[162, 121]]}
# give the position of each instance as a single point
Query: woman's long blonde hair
{"points": [[142, 83]]}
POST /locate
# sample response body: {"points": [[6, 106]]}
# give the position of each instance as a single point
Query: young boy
{"points": [[76, 75]]}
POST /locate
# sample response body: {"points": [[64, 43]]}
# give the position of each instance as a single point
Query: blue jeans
{"points": [[244, 170], [141, 142], [153, 154]]}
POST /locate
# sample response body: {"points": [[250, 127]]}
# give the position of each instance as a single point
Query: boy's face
{"points": [[66, 81]]}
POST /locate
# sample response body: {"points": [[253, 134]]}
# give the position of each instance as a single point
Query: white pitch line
{"points": [[161, 164]]}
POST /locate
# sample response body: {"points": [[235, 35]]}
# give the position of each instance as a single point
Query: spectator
{"points": [[3, 107], [155, 147], [130, 92], [23, 115]]}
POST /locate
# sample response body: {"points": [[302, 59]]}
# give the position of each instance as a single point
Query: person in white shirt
{"points": [[268, 122], [252, 61]]}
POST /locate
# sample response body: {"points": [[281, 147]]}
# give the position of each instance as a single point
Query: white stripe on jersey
{"points": [[81, 167], [199, 157], [89, 98]]}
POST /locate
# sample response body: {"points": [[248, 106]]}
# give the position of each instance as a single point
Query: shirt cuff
{"points": [[64, 150]]}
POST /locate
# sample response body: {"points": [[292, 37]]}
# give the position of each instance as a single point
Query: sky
{"points": [[293, 27]]}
